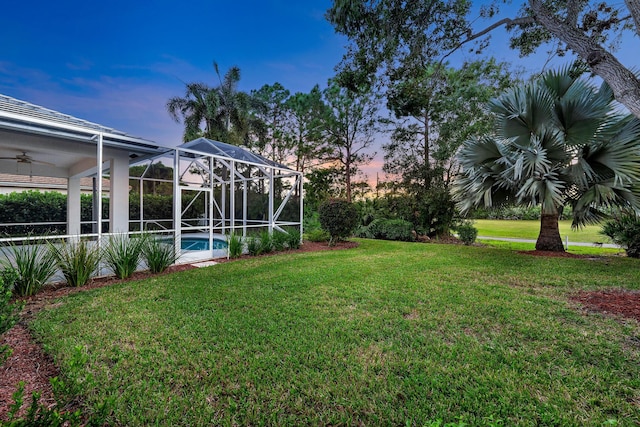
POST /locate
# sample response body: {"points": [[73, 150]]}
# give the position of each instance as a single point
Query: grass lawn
{"points": [[386, 334], [578, 250], [522, 229]]}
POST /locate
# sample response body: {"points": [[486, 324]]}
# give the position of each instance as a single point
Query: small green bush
{"points": [[234, 245], [467, 232], [253, 246], [9, 312], [122, 254], [266, 242], [395, 229], [77, 261], [318, 235], [33, 264], [338, 217], [280, 240], [624, 230], [293, 238], [158, 254], [370, 230]]}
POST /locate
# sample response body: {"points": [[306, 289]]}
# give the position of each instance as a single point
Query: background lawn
{"points": [[524, 229], [573, 249], [386, 334]]}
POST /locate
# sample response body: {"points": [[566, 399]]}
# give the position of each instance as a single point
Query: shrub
{"points": [[8, 312], [36, 206], [234, 245], [293, 238], [310, 220], [318, 235], [369, 231], [266, 242], [624, 230], [338, 217], [158, 254], [280, 240], [395, 229], [467, 232], [77, 261], [122, 254], [253, 246], [33, 264]]}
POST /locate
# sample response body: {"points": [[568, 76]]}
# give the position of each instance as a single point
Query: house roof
{"points": [[22, 116], [234, 152]]}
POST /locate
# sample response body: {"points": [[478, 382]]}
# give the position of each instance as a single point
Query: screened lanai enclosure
{"points": [[219, 189], [193, 196]]}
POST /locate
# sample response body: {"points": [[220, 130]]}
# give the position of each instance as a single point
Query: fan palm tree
{"points": [[558, 142]]}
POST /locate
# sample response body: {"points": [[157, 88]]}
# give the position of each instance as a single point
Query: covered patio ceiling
{"points": [[37, 141]]}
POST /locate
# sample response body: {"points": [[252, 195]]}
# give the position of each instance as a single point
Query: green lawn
{"points": [[573, 249], [386, 334], [529, 230]]}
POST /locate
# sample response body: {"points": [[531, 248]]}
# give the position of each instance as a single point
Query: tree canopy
{"points": [[394, 34]]}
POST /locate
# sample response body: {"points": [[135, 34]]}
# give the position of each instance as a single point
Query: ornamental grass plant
{"points": [[122, 254], [76, 260], [32, 263], [158, 254]]}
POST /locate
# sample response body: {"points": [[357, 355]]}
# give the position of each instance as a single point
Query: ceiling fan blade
{"points": [[40, 162]]}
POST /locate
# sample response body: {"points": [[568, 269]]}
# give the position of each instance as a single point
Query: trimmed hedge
{"points": [[51, 206], [35, 206]]}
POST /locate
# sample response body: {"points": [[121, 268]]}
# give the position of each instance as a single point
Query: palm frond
{"points": [[522, 111], [619, 155]]}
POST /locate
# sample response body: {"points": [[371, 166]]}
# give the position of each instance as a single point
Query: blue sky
{"points": [[118, 62]]}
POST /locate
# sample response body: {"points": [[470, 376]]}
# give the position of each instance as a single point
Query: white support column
{"points": [[244, 208], [300, 181], [232, 196], [177, 202], [223, 203], [211, 205], [141, 200], [98, 203], [73, 207], [271, 190], [119, 194]]}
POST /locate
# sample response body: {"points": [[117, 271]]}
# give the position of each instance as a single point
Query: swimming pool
{"points": [[201, 244]]}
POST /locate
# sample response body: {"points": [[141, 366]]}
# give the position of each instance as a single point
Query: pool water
{"points": [[201, 244]]}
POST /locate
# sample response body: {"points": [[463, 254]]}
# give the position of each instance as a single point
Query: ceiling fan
{"points": [[26, 159]]}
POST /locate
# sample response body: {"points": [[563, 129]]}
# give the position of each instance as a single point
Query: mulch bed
{"points": [[618, 302], [28, 361]]}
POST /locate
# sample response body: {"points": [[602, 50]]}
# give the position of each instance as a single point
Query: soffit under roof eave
{"points": [[47, 128]]}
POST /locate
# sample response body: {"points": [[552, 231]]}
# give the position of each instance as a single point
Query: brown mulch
{"points": [[617, 302], [28, 361]]}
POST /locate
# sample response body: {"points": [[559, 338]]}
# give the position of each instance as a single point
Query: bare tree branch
{"points": [[509, 22]]}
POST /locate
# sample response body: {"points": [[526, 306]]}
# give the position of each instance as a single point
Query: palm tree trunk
{"points": [[549, 238]]}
